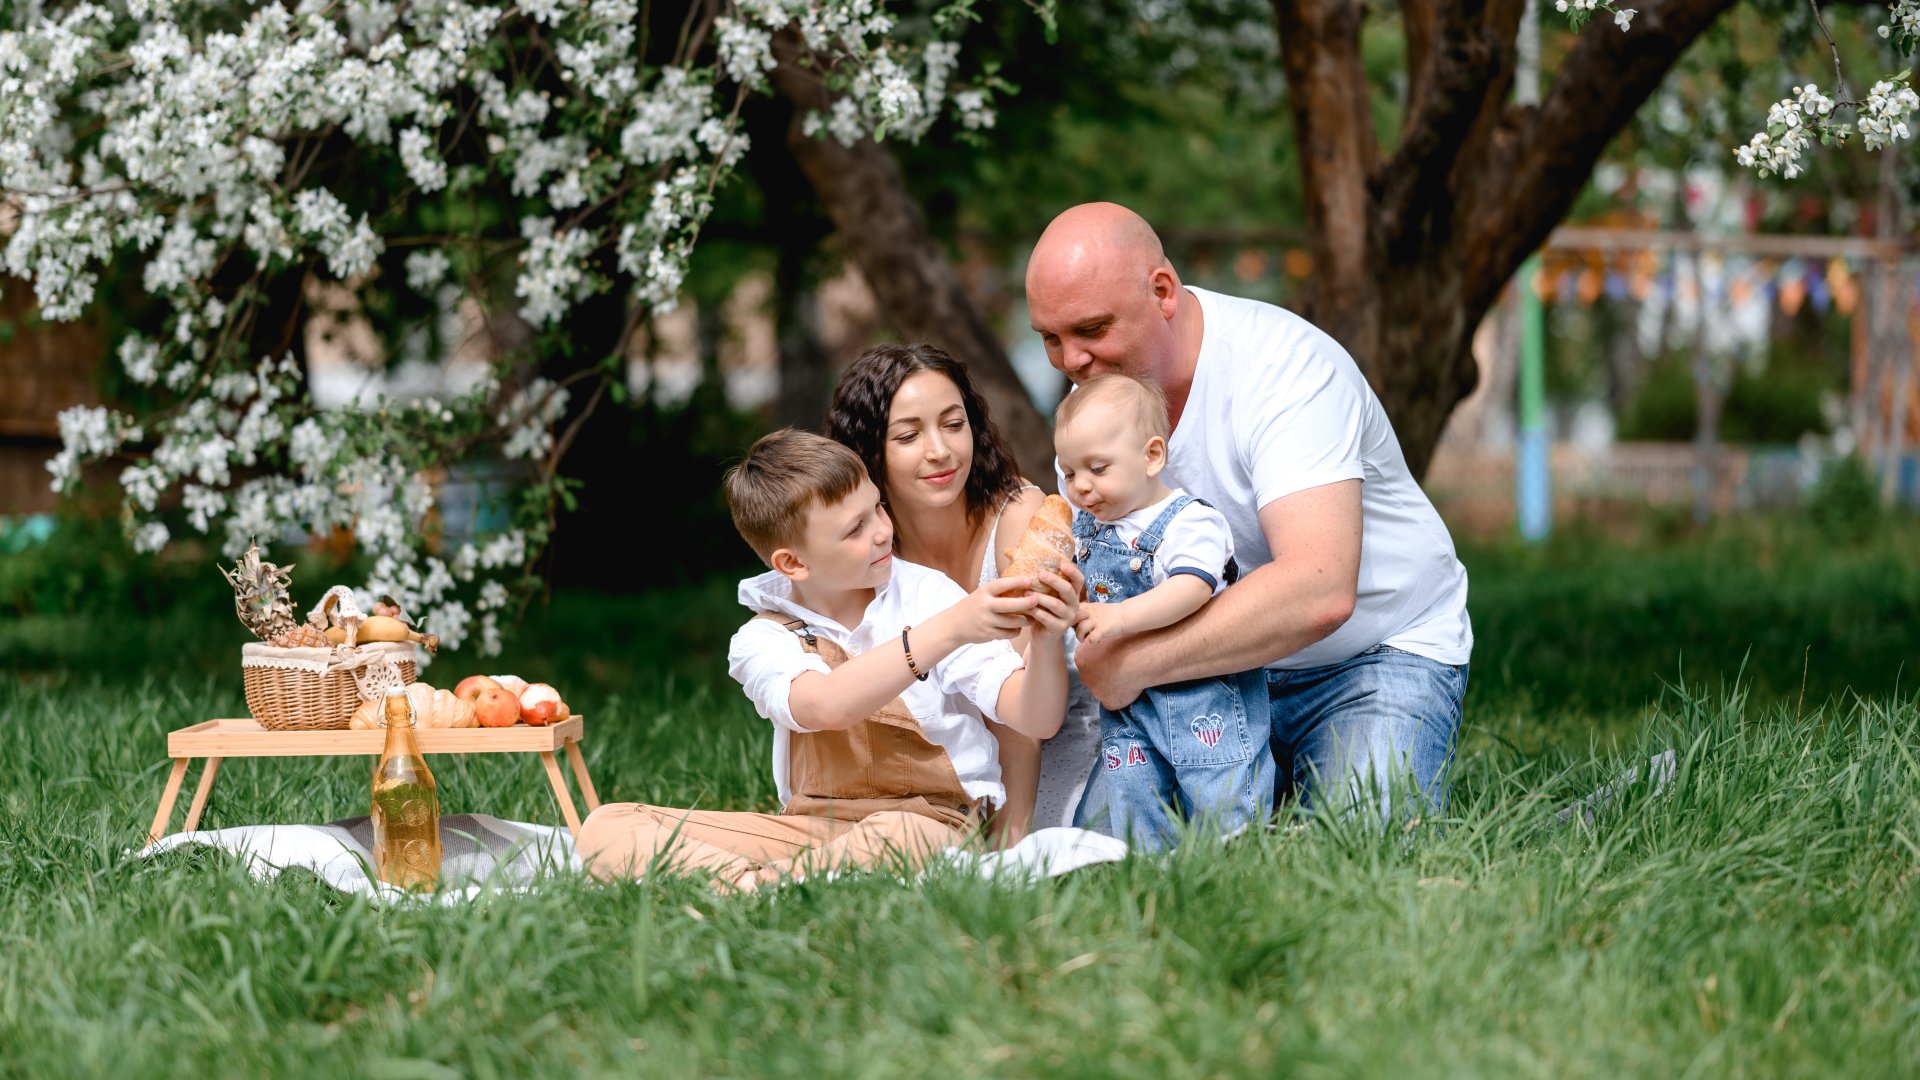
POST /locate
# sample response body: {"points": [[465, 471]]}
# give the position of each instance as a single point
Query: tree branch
{"points": [[1420, 22], [1444, 105], [883, 229], [1544, 156]]}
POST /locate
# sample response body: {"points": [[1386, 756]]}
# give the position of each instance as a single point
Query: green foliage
{"points": [[81, 566], [1758, 917], [1778, 403], [1845, 504], [1596, 624]]}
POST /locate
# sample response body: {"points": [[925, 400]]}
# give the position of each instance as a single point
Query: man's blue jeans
{"points": [[1367, 728]]}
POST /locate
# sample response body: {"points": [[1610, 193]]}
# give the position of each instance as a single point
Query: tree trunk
{"points": [[918, 291], [1410, 252]]}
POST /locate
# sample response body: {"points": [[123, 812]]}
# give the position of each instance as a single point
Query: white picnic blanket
{"points": [[482, 855]]}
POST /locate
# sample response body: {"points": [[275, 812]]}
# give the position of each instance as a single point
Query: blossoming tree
{"points": [[418, 157]]}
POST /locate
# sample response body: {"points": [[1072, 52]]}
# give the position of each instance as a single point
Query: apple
{"points": [[513, 684], [495, 707], [540, 705], [468, 689]]}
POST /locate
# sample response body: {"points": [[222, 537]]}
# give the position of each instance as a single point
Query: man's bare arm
{"points": [[1304, 594]]}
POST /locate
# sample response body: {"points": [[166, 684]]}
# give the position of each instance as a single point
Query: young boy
{"points": [[877, 675], [1152, 556]]}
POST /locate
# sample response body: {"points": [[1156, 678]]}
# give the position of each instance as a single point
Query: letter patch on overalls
{"points": [[1115, 760], [1208, 729]]}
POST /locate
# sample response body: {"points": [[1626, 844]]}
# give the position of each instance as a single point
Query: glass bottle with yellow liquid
{"points": [[406, 805]]}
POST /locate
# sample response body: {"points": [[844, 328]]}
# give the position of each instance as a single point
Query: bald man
{"points": [[1351, 595]]}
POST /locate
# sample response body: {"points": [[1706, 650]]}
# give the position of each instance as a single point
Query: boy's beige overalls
{"points": [[877, 793]]}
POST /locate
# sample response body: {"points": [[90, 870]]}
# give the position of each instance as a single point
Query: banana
{"points": [[384, 628]]}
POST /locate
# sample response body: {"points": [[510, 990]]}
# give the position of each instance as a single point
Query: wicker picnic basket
{"points": [[318, 689]]}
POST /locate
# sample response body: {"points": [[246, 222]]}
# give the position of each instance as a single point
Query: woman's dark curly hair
{"points": [[858, 418]]}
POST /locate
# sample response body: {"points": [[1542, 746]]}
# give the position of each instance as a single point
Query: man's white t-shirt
{"points": [[1197, 541], [1278, 407]]}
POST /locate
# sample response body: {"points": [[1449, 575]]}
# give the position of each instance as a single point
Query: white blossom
{"points": [[150, 537], [553, 274], [143, 485], [140, 359], [746, 50], [205, 148], [87, 432], [529, 415], [1884, 120], [507, 549], [203, 505], [423, 163], [1903, 24], [493, 595], [426, 269], [450, 621]]}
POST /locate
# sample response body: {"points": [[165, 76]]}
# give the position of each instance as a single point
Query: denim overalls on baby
{"points": [[1196, 750]]}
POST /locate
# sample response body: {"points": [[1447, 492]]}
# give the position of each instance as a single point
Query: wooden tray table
{"points": [[216, 740]]}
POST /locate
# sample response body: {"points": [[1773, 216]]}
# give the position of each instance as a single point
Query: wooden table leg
{"points": [[579, 764], [199, 803], [167, 798], [560, 793]]}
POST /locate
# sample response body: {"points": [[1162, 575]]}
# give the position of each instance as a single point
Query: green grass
{"points": [[1762, 917]]}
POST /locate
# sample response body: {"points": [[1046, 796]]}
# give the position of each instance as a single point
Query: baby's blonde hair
{"points": [[1148, 403]]}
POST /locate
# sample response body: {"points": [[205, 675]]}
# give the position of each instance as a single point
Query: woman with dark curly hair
{"points": [[958, 502]]}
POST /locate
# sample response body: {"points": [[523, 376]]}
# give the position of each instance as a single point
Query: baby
{"points": [[1152, 556]]}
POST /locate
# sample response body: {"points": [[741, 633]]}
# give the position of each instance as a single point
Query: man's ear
{"points": [[1156, 455], [788, 564], [1165, 286]]}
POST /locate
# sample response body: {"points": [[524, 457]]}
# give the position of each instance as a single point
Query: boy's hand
{"points": [[996, 611], [1100, 622], [1059, 606]]}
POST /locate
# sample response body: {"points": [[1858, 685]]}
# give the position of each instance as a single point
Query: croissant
{"points": [[1048, 541]]}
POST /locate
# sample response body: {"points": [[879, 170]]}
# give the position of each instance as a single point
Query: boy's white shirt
{"points": [[1198, 537], [958, 694]]}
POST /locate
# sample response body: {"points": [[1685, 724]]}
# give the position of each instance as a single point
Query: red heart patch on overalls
{"points": [[1208, 729]]}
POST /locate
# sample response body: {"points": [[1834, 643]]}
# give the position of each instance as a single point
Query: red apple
{"points": [[469, 688], [540, 705], [513, 684], [494, 707]]}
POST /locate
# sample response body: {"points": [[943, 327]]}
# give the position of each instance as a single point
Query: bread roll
{"points": [[1048, 541]]}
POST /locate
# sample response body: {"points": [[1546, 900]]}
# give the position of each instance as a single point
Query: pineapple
{"points": [[260, 598]]}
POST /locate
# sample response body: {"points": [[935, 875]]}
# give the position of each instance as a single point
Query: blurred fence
{"points": [[1474, 487]]}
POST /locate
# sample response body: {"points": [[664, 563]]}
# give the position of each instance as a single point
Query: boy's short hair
{"points": [[783, 476], [1148, 403]]}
